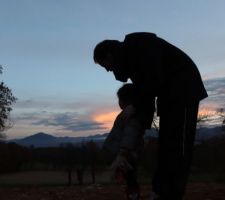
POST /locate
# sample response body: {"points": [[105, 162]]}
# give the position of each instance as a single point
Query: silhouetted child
{"points": [[125, 142]]}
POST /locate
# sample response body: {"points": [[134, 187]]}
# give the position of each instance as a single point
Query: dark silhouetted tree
{"points": [[6, 101], [93, 158], [69, 161]]}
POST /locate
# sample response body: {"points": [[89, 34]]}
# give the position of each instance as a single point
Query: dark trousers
{"points": [[131, 180], [176, 140]]}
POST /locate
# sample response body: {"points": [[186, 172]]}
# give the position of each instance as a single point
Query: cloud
{"points": [[29, 116], [34, 104], [69, 121], [215, 86], [81, 104], [85, 126], [216, 92]]}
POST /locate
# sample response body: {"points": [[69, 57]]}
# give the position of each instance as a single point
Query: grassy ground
{"points": [[195, 191], [52, 185], [105, 177], [50, 178]]}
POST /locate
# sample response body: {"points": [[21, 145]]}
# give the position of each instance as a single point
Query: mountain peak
{"points": [[42, 139], [40, 136]]}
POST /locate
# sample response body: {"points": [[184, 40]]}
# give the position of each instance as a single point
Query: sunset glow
{"points": [[206, 112], [106, 118]]}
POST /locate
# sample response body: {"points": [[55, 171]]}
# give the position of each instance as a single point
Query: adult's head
{"points": [[104, 53]]}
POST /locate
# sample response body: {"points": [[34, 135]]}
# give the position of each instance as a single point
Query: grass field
{"points": [[61, 178], [49, 178], [52, 185], [195, 191]]}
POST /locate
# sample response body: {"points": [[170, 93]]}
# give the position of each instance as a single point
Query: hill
{"points": [[46, 140]]}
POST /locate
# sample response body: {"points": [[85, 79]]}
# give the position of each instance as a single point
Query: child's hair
{"points": [[126, 93]]}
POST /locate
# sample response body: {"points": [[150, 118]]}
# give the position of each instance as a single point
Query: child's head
{"points": [[126, 95]]}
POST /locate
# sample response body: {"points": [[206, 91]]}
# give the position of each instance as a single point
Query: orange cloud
{"points": [[208, 108], [206, 112], [106, 118]]}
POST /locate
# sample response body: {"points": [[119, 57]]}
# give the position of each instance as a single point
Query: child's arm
{"points": [[132, 133], [121, 160], [120, 166], [127, 113], [112, 140]]}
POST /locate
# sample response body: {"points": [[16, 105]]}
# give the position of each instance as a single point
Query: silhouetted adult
{"points": [[160, 71]]}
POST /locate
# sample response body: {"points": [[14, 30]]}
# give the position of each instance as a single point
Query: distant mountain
{"points": [[47, 140]]}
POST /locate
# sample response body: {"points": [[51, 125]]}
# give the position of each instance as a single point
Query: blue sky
{"points": [[46, 50]]}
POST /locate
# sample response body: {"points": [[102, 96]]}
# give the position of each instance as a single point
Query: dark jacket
{"points": [[158, 69]]}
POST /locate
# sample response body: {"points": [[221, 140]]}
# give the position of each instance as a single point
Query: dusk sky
{"points": [[46, 49]]}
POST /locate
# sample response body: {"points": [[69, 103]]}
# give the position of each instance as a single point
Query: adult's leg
{"points": [[133, 189], [176, 140]]}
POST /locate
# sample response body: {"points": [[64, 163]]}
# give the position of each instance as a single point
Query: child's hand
{"points": [[120, 161], [120, 166]]}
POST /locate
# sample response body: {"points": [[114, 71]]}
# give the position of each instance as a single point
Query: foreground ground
{"points": [[195, 191]]}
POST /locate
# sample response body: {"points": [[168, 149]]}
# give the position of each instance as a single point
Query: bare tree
{"points": [[155, 122], [221, 113], [203, 118]]}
